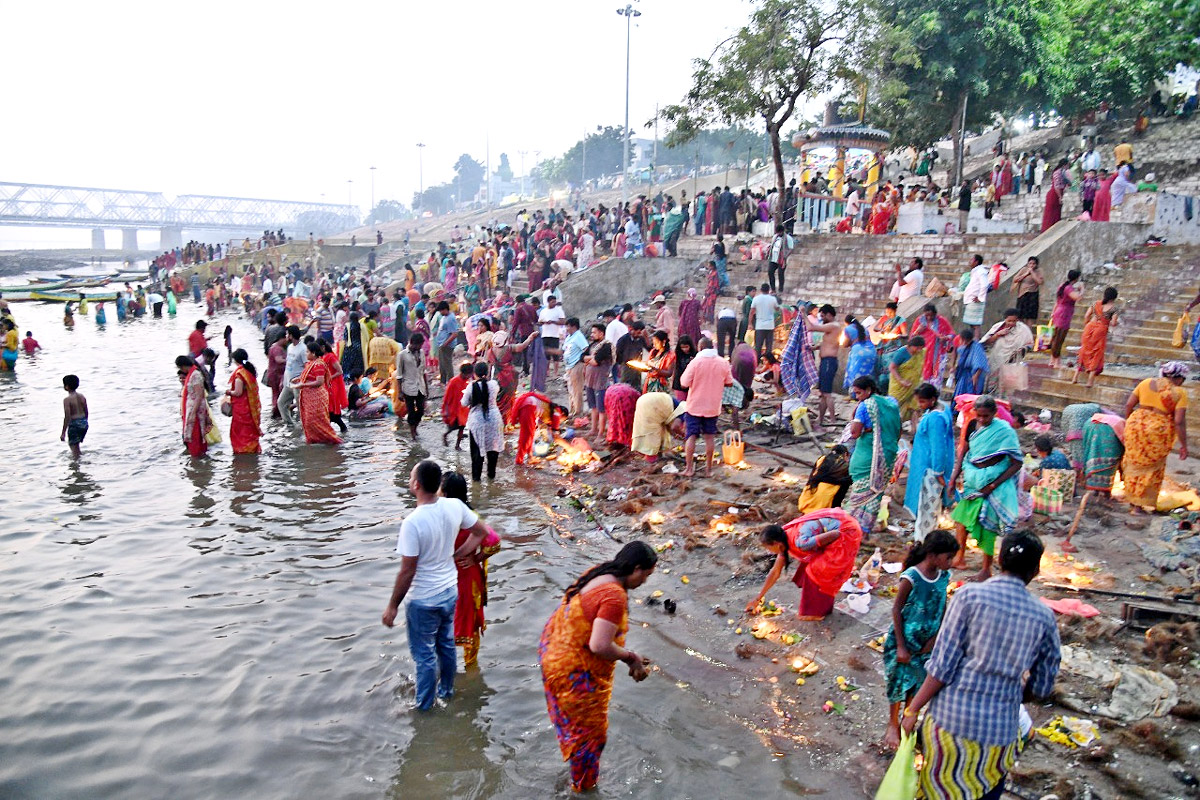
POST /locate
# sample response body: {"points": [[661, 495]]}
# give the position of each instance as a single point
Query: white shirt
{"points": [[553, 322], [728, 313], [615, 330], [428, 534], [763, 305], [910, 285], [297, 354], [853, 204], [268, 287]]}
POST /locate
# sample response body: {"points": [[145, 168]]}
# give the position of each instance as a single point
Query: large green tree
{"points": [[1096, 50], [788, 51], [940, 65], [468, 177], [596, 155]]}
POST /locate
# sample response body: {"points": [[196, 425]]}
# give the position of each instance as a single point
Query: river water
{"points": [[210, 628]]}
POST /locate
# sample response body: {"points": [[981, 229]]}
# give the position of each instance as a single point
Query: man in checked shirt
{"points": [[998, 647]]}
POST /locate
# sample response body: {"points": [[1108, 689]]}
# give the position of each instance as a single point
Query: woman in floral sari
{"points": [[472, 578], [421, 325], [244, 430], [1156, 415], [580, 646], [662, 364], [500, 357], [314, 399], [354, 349], [876, 429], [862, 353], [193, 406], [1096, 323]]}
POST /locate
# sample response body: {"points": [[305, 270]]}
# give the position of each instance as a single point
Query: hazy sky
{"points": [[290, 100]]}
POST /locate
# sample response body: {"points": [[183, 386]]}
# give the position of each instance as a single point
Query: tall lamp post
{"points": [[628, 12], [421, 174]]}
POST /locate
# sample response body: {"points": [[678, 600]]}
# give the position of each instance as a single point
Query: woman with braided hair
{"points": [[580, 646]]}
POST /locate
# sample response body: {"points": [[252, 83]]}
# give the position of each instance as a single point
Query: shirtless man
{"points": [[75, 415], [828, 349]]}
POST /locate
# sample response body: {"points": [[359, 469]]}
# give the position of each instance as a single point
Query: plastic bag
{"points": [[1179, 337], [213, 434], [900, 782]]}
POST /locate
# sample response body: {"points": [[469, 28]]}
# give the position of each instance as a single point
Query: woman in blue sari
{"points": [[931, 462], [862, 353], [970, 365]]}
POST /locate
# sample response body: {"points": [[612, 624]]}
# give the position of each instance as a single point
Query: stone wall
{"points": [[625, 280], [1174, 217], [1068, 245]]}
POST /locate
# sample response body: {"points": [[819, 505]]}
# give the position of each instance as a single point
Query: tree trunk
{"points": [[959, 122], [777, 157]]}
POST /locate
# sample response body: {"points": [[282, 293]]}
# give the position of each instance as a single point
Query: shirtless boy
{"points": [[75, 415], [831, 332]]}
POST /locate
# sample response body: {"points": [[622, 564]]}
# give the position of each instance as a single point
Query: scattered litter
{"points": [[1071, 607], [619, 493], [892, 567], [1137, 692], [670, 469], [1070, 732]]}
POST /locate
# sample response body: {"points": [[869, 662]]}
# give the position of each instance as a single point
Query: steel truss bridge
{"points": [[129, 211]]}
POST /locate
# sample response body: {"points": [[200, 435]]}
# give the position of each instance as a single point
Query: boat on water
{"points": [[63, 295], [25, 292]]}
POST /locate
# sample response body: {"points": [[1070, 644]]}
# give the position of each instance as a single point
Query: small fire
{"points": [[656, 518], [640, 366], [576, 459], [723, 527], [784, 477]]}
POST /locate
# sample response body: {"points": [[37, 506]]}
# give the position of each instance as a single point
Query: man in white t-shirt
{"points": [[908, 282], [267, 287], [429, 578], [552, 319], [853, 205], [762, 318]]}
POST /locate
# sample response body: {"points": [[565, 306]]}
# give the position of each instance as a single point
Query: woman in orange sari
{"points": [[1155, 415], [580, 646], [472, 578], [1098, 319], [314, 399], [339, 399], [826, 543], [244, 430], [193, 406]]}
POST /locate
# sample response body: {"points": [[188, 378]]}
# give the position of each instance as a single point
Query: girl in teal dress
{"points": [[917, 616]]}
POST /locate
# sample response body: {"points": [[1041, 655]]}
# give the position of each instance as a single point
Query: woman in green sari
{"points": [[905, 376], [876, 429]]}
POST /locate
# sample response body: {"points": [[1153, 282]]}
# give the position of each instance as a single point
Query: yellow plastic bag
{"points": [[732, 448], [1179, 337], [213, 434], [900, 782]]}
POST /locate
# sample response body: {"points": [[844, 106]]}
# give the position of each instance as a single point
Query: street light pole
{"points": [[628, 12], [421, 173]]}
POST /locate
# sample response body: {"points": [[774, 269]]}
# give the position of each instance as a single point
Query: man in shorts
{"points": [[552, 319], [705, 380], [831, 333]]}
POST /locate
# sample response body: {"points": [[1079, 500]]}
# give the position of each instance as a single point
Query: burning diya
{"points": [[575, 455], [640, 366]]}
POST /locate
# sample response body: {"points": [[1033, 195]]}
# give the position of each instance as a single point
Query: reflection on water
{"points": [[180, 628]]}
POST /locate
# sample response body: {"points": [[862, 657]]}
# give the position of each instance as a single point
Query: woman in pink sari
{"points": [[313, 401], [1102, 204], [1059, 182]]}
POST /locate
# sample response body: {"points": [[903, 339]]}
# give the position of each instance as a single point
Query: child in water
{"points": [[228, 345], [75, 415], [30, 344], [916, 618]]}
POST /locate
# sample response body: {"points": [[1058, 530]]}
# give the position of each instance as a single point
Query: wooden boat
{"points": [[25, 292], [62, 296]]}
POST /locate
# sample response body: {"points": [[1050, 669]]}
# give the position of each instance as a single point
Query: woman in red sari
{"points": [[1102, 205], [193, 406], [708, 307], [276, 362], [469, 624], [339, 400], [244, 430], [314, 399], [1059, 182], [881, 214], [826, 544]]}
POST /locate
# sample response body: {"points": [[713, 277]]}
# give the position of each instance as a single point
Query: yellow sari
{"points": [[1149, 435], [909, 371]]}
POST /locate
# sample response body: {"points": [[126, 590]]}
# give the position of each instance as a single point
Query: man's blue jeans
{"points": [[431, 643]]}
